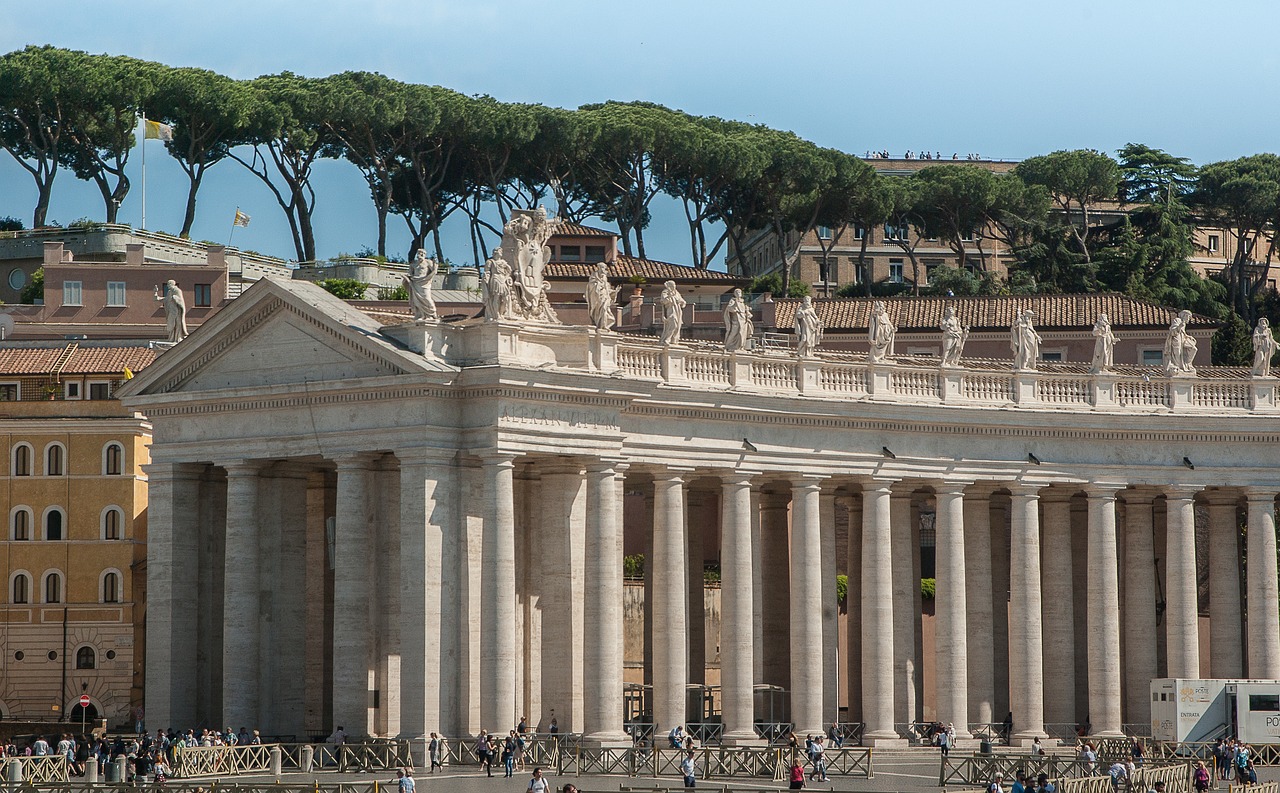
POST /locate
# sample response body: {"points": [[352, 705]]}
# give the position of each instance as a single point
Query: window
{"points": [[1153, 357], [570, 253], [1056, 356], [1213, 243], [112, 521], [930, 266], [21, 589], [824, 232], [53, 587], [99, 391], [860, 271], [8, 392], [203, 294], [1246, 245], [1268, 702], [71, 293], [595, 253], [894, 231], [20, 524], [966, 236], [85, 658], [72, 390], [111, 587], [113, 459], [115, 293], [895, 271], [17, 279], [22, 460], [53, 459], [859, 231], [53, 524]]}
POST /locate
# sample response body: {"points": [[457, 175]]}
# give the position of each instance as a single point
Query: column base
{"points": [[418, 749], [1107, 734], [1029, 737], [885, 740], [743, 739], [608, 740]]}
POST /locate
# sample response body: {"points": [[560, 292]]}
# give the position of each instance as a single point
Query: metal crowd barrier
{"points": [[957, 769], [38, 770], [375, 755], [198, 761], [1264, 754]]}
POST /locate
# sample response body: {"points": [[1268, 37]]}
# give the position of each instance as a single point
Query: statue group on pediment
{"points": [[514, 286]]}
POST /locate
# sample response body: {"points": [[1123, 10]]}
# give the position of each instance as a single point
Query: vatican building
{"points": [[407, 527]]}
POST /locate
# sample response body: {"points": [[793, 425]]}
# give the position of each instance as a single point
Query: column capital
{"points": [[737, 476], [1056, 495], [1255, 493], [880, 485], [158, 471], [353, 461], [425, 455], [1180, 492], [806, 481], [1027, 490], [1102, 491], [1220, 496], [240, 467], [1138, 496], [950, 487], [497, 457]]}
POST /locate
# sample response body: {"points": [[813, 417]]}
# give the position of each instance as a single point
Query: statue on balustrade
{"points": [[672, 304], [602, 298], [496, 287], [737, 323], [175, 310], [1264, 348], [1025, 342], [524, 242], [808, 329], [1104, 342], [880, 332], [418, 282], [1180, 347], [954, 335]]}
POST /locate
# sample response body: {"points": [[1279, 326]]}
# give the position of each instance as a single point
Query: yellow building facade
{"points": [[73, 497]]}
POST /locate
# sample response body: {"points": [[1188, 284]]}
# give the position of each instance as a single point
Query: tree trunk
{"points": [[189, 216], [43, 191], [435, 235], [640, 242], [862, 261]]}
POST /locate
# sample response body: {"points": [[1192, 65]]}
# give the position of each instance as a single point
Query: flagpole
{"points": [[144, 171], [233, 226]]}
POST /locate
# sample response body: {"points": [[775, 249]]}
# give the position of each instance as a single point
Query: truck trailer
{"points": [[1197, 711]]}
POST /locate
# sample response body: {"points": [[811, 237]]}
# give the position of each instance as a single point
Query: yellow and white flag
{"points": [[242, 219], [157, 130]]}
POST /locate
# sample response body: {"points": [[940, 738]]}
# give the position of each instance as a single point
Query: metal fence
{"points": [[386, 755], [958, 769], [39, 770], [201, 761], [1262, 754]]}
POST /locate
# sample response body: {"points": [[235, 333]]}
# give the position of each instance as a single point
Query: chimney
{"points": [[52, 253], [134, 253], [218, 256]]}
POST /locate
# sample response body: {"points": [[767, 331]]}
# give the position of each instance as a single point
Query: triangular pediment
{"points": [[277, 334]]}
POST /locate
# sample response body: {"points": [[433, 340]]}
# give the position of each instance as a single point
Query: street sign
{"points": [[84, 700]]}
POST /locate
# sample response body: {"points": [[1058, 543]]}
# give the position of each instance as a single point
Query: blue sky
{"points": [[1006, 79]]}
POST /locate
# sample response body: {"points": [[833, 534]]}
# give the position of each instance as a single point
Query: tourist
{"points": [[797, 773], [1158, 787], [538, 784], [1118, 772], [433, 751], [483, 753], [554, 729], [1044, 785], [1200, 777], [833, 734], [997, 784], [688, 770], [523, 726], [1137, 752], [509, 754], [1019, 783], [1036, 747], [817, 753], [404, 781]]}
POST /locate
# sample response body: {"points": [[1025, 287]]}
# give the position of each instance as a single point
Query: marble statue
{"points": [[1025, 342], [808, 329], [496, 287], [1104, 341], [1179, 346], [1264, 348], [880, 332], [421, 272], [175, 310], [954, 335], [602, 298], [524, 242], [737, 323], [672, 304]]}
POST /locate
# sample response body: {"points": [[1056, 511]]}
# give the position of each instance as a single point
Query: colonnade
{"points": [[467, 591]]}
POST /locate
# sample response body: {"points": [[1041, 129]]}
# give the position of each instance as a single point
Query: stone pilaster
{"points": [[498, 595], [806, 605], [737, 634], [1226, 651], [670, 656], [1182, 614], [978, 597], [352, 618], [242, 588], [1264, 623], [1139, 606], [951, 638], [1103, 613], [1026, 667]]}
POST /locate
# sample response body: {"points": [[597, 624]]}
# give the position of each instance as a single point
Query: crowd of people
{"points": [[1234, 760], [883, 154], [145, 755]]}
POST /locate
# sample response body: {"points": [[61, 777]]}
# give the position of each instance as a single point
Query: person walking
{"points": [[818, 754], [404, 781], [797, 773], [433, 750], [687, 768], [509, 754], [538, 784]]}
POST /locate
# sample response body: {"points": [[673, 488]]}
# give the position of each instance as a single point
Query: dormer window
{"points": [[570, 253]]}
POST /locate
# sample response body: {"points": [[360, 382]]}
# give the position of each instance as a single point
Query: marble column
{"points": [[1057, 609], [978, 597], [498, 595], [429, 522], [242, 597], [1103, 613], [562, 535], [1139, 606], [757, 586], [670, 656], [878, 611], [1026, 667], [906, 618], [951, 626], [737, 634], [172, 552], [283, 650], [776, 588], [830, 607], [1264, 623], [1226, 651], [806, 605], [1182, 614], [602, 614], [352, 623], [853, 606]]}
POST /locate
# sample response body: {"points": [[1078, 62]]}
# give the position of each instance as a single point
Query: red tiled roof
{"points": [[566, 229], [625, 267], [84, 360], [992, 312]]}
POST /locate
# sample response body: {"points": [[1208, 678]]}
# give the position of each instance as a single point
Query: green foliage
{"points": [[771, 283], [1233, 343], [953, 281], [928, 588], [345, 288], [711, 574], [10, 223], [842, 588], [799, 289], [85, 224], [633, 566], [34, 290], [395, 293]]}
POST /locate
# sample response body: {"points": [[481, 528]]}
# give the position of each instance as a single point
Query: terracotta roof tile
{"points": [[566, 229], [653, 271], [85, 360], [28, 360], [991, 312]]}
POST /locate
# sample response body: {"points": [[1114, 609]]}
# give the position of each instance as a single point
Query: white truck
{"points": [[1193, 711]]}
